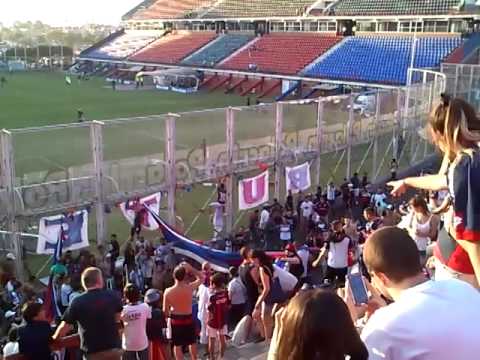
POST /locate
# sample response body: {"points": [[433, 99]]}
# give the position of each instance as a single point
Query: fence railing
{"points": [[50, 169]]}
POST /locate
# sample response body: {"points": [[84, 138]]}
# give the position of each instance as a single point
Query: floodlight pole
{"points": [[230, 179], [96, 143], [171, 171], [278, 148], [7, 181], [320, 108]]}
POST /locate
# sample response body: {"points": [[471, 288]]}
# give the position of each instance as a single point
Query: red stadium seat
{"points": [[282, 53], [172, 48]]}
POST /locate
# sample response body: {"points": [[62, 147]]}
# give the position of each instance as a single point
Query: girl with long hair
{"points": [[316, 325], [455, 130], [263, 308]]}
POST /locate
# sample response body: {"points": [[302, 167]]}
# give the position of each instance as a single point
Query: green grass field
{"points": [[39, 99]]}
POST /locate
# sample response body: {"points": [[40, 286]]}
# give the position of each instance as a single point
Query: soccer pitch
{"points": [[34, 99]]}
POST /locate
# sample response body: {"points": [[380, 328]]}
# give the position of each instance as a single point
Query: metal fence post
{"points": [[230, 136], [320, 107], [455, 82], [349, 136], [470, 83], [7, 174], [96, 143], [171, 170], [375, 136], [278, 148]]}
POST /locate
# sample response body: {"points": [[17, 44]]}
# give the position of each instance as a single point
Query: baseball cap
{"points": [[152, 295], [10, 256]]}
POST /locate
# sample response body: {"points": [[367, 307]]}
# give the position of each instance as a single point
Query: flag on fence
{"points": [[52, 295], [253, 192], [132, 208], [75, 228], [298, 177]]}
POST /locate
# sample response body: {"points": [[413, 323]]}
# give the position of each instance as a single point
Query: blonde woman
{"points": [[455, 130]]}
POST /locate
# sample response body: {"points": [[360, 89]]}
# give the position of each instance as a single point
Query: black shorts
{"points": [[183, 330]]}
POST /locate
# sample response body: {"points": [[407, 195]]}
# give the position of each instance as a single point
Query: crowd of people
{"points": [[348, 272]]}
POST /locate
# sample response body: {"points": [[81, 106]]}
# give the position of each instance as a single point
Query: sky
{"points": [[65, 12]]}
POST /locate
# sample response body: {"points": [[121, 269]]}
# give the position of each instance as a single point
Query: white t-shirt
{"points": [[436, 320], [10, 348], [237, 292], [134, 318], [330, 193], [338, 253], [285, 232], [65, 292], [264, 216], [307, 208], [217, 215]]}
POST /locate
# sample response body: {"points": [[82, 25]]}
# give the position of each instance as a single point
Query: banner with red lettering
{"points": [[253, 192]]}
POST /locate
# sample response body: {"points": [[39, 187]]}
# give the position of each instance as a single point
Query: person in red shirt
{"points": [[218, 306], [322, 208]]}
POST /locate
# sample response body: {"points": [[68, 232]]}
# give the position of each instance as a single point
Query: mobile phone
{"points": [[359, 290]]}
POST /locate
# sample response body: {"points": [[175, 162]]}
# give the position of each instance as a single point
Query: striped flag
{"points": [[52, 296]]}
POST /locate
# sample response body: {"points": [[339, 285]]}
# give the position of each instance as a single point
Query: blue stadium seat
{"points": [[218, 50], [381, 59]]}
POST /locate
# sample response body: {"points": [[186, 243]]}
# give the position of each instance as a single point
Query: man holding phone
{"points": [[431, 320]]}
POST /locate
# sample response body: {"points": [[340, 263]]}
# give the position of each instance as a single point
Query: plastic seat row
{"points": [[218, 50], [121, 46], [395, 7], [258, 8], [381, 59], [168, 9], [281, 53], [174, 47]]}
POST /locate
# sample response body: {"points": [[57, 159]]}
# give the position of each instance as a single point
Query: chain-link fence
{"points": [[99, 164], [463, 81]]}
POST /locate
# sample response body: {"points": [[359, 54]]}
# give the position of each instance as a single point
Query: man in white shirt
{"points": [[264, 216], [307, 207], [217, 220], [428, 320]]}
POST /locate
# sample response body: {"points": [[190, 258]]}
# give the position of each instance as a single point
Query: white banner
{"points": [[253, 192], [133, 207], [298, 177], [75, 227]]}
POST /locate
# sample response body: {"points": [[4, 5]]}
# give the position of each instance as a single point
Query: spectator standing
{"points": [[393, 169], [316, 325], [177, 305], [263, 307], [355, 181], [393, 261], [423, 226], [289, 201], [35, 337], [237, 293], [11, 347], [336, 250], [65, 292], [365, 181], [250, 278], [455, 130], [157, 327], [134, 317], [264, 217], [253, 225], [97, 315], [218, 305]]}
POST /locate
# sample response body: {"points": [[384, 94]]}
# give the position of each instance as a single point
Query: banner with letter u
{"points": [[253, 192]]}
